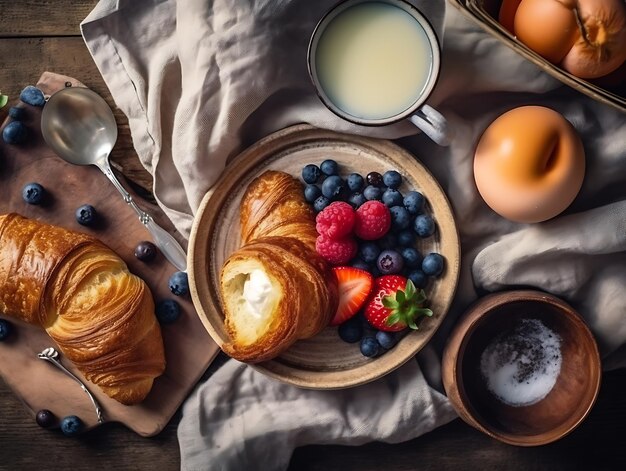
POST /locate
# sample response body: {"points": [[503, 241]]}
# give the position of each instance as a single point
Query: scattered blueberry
{"points": [[45, 418], [418, 277], [374, 179], [86, 215], [333, 187], [360, 264], [392, 179], [33, 193], [355, 182], [320, 203], [412, 258], [167, 311], [15, 133], [424, 225], [390, 262], [312, 192], [392, 197], [386, 339], [179, 283], [432, 264], [17, 113], [351, 331], [145, 251], [71, 425], [369, 252], [388, 241], [356, 200], [329, 167], [311, 173], [406, 238], [369, 347], [414, 202], [32, 96], [372, 192], [5, 329], [400, 218]]}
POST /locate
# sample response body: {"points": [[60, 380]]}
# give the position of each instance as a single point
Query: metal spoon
{"points": [[51, 355], [80, 127]]}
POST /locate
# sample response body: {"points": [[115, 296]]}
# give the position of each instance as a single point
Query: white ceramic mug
{"points": [[425, 117]]}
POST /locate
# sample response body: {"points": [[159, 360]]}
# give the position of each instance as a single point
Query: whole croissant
{"points": [[275, 289], [99, 314]]}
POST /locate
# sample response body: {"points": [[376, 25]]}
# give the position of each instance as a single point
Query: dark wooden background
{"points": [[44, 35]]}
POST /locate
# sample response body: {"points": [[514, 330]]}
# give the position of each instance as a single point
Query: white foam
{"points": [[521, 366]]}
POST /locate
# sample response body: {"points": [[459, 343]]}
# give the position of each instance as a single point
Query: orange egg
{"points": [[529, 164]]}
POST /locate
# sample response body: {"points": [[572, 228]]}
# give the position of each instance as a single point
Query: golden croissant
{"points": [[99, 314], [275, 289]]}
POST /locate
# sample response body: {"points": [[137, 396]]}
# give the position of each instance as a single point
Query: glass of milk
{"points": [[375, 62]]}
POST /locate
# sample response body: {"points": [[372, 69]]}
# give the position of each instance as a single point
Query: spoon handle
{"points": [[166, 243]]}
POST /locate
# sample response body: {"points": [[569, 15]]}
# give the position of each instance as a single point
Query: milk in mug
{"points": [[373, 60]]}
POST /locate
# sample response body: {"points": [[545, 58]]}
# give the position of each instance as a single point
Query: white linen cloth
{"points": [[200, 80]]}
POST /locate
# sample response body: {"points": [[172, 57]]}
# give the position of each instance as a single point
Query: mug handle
{"points": [[434, 125]]}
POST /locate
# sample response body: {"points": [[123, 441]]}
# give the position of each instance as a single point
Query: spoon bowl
{"points": [[80, 127]]}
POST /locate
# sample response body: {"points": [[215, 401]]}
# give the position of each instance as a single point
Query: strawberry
{"points": [[355, 286], [395, 304]]}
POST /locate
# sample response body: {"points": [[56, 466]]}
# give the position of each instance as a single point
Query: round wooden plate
{"points": [[324, 361]]}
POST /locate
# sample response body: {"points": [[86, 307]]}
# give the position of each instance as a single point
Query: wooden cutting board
{"points": [[188, 348]]}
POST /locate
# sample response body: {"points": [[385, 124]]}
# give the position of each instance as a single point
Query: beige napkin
{"points": [[200, 80]]}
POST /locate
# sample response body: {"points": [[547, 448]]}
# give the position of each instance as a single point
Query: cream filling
{"points": [[257, 290]]}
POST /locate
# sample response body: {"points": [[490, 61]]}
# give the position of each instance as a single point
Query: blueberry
{"points": [[369, 252], [5, 329], [400, 218], [372, 192], [312, 192], [17, 113], [392, 179], [424, 225], [355, 182], [392, 197], [432, 264], [45, 418], [311, 173], [386, 339], [356, 200], [179, 283], [389, 241], [145, 251], [329, 167], [33, 193], [351, 331], [15, 133], [390, 262], [32, 96], [414, 202], [412, 258], [406, 238], [374, 179], [360, 264], [167, 311], [71, 425], [369, 347], [418, 277], [375, 271], [320, 203], [333, 187], [86, 215]]}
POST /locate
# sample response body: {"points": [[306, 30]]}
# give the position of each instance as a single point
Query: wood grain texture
{"points": [[43, 17]]}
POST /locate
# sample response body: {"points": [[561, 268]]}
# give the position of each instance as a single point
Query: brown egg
{"points": [[529, 164]]}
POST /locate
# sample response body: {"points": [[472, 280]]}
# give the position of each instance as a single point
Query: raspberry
{"points": [[372, 220], [336, 252], [335, 221]]}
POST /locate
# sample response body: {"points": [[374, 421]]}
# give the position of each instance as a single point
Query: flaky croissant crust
{"points": [[100, 315]]}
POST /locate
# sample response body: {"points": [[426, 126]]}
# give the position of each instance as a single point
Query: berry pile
{"points": [[368, 229], [16, 132]]}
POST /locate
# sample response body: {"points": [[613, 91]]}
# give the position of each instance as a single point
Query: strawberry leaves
{"points": [[406, 306]]}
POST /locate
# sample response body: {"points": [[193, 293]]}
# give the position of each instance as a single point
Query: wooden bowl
{"points": [[562, 409], [324, 361]]}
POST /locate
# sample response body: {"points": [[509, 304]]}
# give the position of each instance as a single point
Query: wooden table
{"points": [[44, 35]]}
